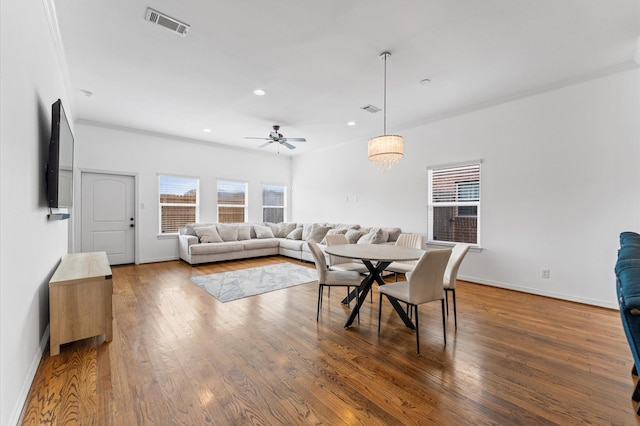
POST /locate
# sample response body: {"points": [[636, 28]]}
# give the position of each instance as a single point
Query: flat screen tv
{"points": [[60, 164]]}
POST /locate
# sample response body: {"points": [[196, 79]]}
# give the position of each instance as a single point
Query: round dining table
{"points": [[376, 257]]}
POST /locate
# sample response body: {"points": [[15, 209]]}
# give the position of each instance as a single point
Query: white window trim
{"points": [[160, 205], [437, 243]]}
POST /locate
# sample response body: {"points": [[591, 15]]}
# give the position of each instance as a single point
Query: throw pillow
{"points": [[353, 235], [273, 226], [284, 229], [263, 231], [318, 232], [333, 232], [244, 233], [306, 231], [394, 233], [366, 238], [208, 234], [228, 232], [380, 236], [296, 234]]}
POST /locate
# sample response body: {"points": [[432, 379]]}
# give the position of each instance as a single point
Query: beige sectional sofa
{"points": [[214, 242]]}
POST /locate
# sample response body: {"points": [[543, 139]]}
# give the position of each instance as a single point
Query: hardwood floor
{"points": [[179, 356]]}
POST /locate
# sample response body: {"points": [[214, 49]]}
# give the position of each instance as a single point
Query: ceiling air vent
{"points": [[370, 108], [169, 23]]}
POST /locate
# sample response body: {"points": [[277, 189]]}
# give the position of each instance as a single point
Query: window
{"points": [[178, 202], [454, 204], [232, 201], [274, 202]]}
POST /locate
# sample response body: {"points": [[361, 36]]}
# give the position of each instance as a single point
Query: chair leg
{"points": [[444, 323], [319, 301], [636, 392], [446, 299], [415, 307], [349, 296], [455, 313], [379, 313]]}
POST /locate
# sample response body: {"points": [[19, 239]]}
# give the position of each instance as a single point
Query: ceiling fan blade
{"points": [[288, 145], [296, 139], [265, 144], [262, 139]]}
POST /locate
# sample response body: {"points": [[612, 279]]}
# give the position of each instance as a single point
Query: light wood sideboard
{"points": [[80, 299]]}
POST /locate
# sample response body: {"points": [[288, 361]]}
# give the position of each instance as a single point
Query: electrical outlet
{"points": [[544, 273]]}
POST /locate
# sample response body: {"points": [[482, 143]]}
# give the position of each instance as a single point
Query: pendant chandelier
{"points": [[385, 151]]}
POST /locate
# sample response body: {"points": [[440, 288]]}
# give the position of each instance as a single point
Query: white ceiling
{"points": [[319, 61]]}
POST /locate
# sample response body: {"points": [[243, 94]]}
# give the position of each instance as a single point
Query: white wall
{"points": [[30, 245], [560, 181], [100, 148]]}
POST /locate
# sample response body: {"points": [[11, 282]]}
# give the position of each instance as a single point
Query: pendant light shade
{"points": [[385, 151]]}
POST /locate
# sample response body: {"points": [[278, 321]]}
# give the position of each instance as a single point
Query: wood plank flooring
{"points": [[179, 356]]}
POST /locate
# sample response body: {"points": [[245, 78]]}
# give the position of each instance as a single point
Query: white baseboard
{"points": [[33, 368], [158, 259], [584, 300]]}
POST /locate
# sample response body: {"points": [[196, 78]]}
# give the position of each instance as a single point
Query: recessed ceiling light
{"points": [[259, 92], [206, 130], [425, 81], [351, 123]]}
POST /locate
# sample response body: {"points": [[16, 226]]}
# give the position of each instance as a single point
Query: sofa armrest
{"points": [[184, 242]]}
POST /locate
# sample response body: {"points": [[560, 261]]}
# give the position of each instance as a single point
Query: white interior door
{"points": [[108, 220]]}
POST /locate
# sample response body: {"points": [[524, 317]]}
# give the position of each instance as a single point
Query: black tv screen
{"points": [[60, 164]]}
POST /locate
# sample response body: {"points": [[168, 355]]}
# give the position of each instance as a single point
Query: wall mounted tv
{"points": [[60, 164]]}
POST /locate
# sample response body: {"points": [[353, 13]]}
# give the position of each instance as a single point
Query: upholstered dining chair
{"points": [[424, 284], [337, 263], [406, 240], [458, 253], [328, 278]]}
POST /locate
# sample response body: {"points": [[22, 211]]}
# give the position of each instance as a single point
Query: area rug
{"points": [[233, 285]]}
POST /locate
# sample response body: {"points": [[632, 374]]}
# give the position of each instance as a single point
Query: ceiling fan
{"points": [[275, 136]]}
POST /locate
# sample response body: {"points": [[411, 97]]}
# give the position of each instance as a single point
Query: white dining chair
{"points": [[405, 266], [328, 278], [451, 275], [423, 285]]}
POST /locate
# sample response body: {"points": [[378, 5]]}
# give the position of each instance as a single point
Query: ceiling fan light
{"points": [[385, 151]]}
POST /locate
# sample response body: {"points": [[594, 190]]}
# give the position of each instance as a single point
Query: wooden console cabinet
{"points": [[80, 299]]}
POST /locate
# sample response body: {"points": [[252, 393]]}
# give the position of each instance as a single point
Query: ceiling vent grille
{"points": [[167, 22], [370, 108]]}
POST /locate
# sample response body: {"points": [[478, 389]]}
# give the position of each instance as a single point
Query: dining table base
{"points": [[375, 275]]}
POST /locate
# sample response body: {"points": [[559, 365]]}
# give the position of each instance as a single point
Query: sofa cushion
{"points": [[228, 232], [353, 235], [208, 234], [317, 233], [263, 231], [244, 232], [291, 244], [296, 234], [211, 248], [306, 230], [284, 229], [260, 243]]}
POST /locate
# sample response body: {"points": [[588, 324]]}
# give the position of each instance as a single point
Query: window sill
{"points": [[443, 244], [167, 236]]}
